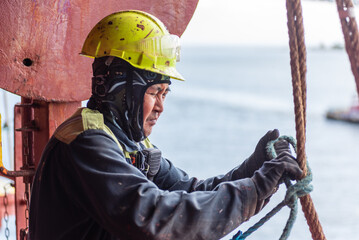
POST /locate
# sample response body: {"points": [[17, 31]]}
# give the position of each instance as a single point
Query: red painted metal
{"points": [[20, 204], [40, 42]]}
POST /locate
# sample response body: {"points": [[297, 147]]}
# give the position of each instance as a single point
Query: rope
{"points": [[299, 189], [351, 36], [298, 69]]}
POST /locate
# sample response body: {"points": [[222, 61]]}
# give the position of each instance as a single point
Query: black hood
{"points": [[118, 90]]}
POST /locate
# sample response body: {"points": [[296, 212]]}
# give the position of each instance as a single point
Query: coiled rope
{"points": [[299, 189]]}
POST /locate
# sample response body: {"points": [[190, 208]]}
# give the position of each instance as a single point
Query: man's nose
{"points": [[159, 105]]}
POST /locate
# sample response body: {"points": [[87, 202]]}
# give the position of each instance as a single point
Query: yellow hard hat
{"points": [[138, 38]]}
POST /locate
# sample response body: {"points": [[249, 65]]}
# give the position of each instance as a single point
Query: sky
{"points": [[260, 22]]}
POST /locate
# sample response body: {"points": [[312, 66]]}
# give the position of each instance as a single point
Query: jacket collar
{"points": [[129, 145]]}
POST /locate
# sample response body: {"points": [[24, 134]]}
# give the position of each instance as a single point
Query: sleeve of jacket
{"points": [[128, 205], [172, 178]]}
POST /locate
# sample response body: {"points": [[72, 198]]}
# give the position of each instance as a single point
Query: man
{"points": [[101, 178]]}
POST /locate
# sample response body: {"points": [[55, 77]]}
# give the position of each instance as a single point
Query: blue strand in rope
{"points": [[294, 191]]}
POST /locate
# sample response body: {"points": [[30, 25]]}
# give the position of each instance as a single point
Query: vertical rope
{"points": [[298, 69], [297, 58], [351, 36]]}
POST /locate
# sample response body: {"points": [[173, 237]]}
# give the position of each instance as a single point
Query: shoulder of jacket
{"points": [[83, 119]]}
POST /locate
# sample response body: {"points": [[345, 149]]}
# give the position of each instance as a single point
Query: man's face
{"points": [[153, 105]]}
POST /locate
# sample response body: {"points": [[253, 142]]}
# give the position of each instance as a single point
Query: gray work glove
{"points": [[258, 157], [270, 175]]}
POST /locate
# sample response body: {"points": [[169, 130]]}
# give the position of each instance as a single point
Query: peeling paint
{"points": [[141, 26]]}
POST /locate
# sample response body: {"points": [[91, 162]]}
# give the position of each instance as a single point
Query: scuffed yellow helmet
{"points": [[138, 38]]}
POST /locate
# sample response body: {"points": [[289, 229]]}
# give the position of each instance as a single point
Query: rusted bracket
{"points": [[13, 174], [28, 170]]}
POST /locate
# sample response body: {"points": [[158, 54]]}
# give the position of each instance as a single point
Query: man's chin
{"points": [[147, 131]]}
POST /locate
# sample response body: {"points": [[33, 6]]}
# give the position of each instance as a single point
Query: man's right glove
{"points": [[269, 176]]}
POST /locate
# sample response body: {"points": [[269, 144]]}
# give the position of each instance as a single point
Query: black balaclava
{"points": [[118, 90]]}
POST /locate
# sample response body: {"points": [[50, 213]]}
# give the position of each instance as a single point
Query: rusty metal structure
{"points": [[40, 43]]}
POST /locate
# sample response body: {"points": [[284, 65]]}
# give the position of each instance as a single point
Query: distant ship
{"points": [[350, 114]]}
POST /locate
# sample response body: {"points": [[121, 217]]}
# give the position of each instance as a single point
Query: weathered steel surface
{"points": [[20, 203], [40, 42]]}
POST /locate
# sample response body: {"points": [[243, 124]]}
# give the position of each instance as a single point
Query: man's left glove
{"points": [[258, 157]]}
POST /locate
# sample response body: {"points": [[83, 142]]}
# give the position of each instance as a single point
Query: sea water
{"points": [[231, 97]]}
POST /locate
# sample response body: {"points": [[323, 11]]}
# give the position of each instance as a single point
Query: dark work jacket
{"points": [[85, 189]]}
